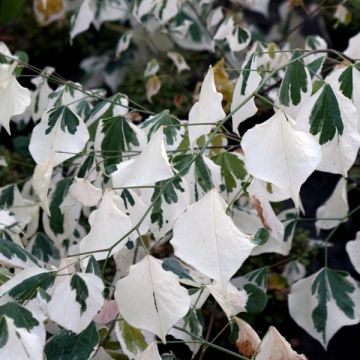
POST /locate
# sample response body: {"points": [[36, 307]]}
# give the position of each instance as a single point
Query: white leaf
{"points": [[123, 43], [353, 250], [41, 182], [260, 6], [325, 302], [230, 299], [335, 207], [14, 99], [207, 110], [57, 141], [151, 166], [248, 340], [178, 60], [274, 346], [84, 192], [76, 300], [246, 84], [206, 238], [353, 49], [338, 154], [214, 17], [151, 298], [265, 211], [108, 225], [150, 353], [276, 153], [82, 19]]}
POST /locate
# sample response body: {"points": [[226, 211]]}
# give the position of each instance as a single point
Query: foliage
{"points": [[127, 216]]}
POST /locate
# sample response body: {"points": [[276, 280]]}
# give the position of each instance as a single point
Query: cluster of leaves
{"points": [[107, 188]]}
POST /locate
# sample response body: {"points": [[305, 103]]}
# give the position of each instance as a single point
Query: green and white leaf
{"points": [[25, 285], [232, 170], [168, 207], [61, 134], [44, 249], [132, 340], [151, 298], [76, 300], [23, 209], [296, 87], [40, 96], [334, 124], [315, 61], [173, 131], [18, 342], [13, 255], [325, 302], [245, 85]]}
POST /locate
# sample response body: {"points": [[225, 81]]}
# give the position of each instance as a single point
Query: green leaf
{"points": [[4, 335], [22, 317], [262, 236], [93, 267], [56, 216], [331, 285], [7, 196], [65, 345], [79, 286], [232, 169], [119, 137], [346, 82], [68, 120], [44, 249], [246, 73], [325, 117], [315, 66], [86, 165], [294, 82], [28, 288], [133, 337], [24, 58], [257, 299], [203, 174], [10, 9]]}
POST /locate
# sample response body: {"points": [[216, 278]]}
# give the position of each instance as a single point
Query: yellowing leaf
{"points": [[153, 86]]}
